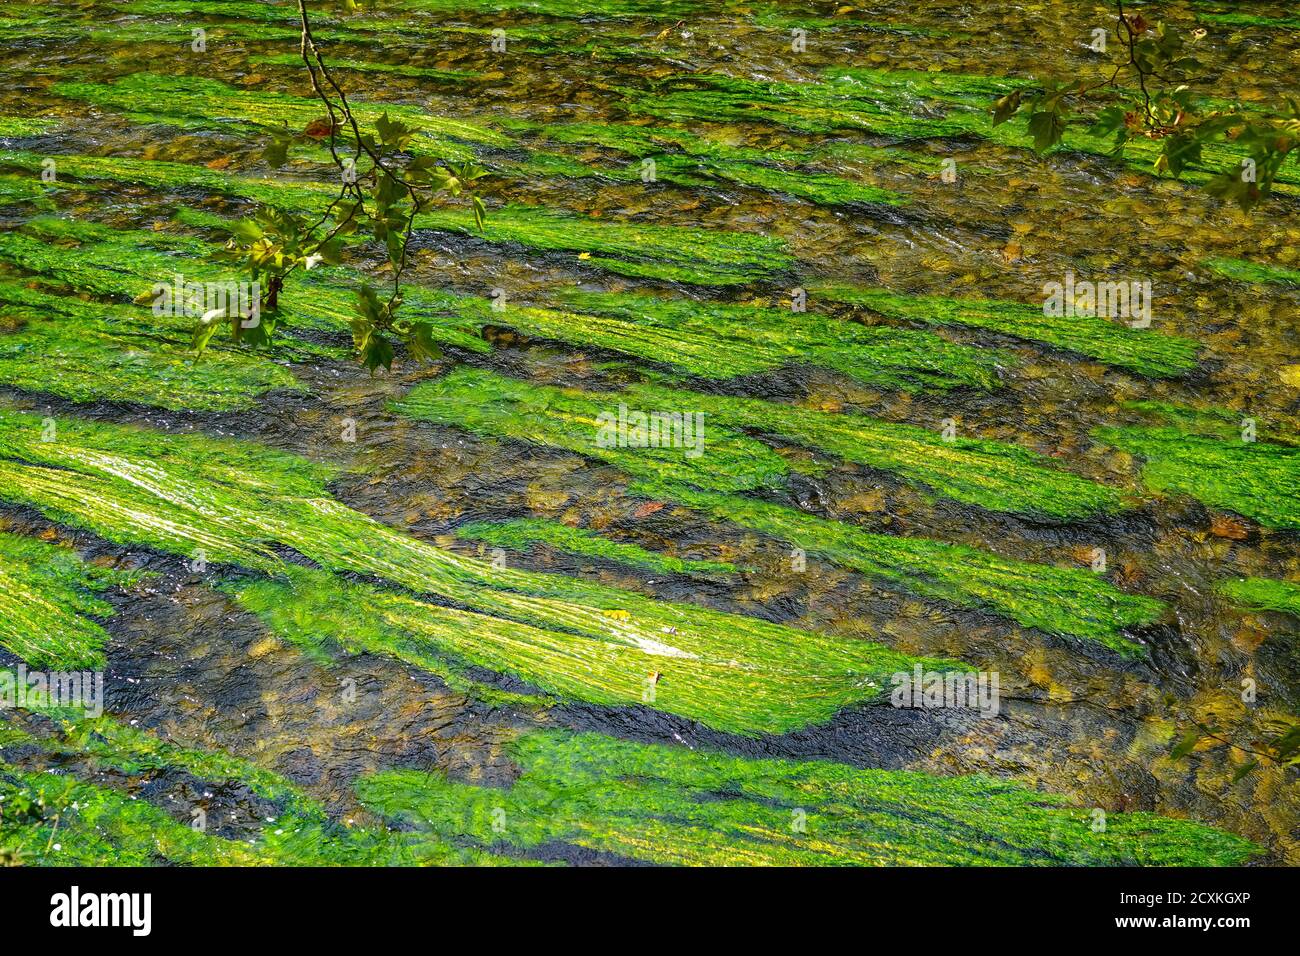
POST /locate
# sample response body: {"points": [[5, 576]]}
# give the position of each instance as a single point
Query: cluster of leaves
{"points": [[1278, 745], [1147, 96], [381, 201]]}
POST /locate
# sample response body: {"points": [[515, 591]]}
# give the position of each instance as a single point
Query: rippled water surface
{"points": [[312, 650]]}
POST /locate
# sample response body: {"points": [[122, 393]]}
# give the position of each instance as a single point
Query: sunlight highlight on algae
{"points": [[236, 503], [1061, 601], [671, 805]]}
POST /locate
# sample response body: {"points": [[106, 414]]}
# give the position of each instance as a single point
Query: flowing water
{"points": [[431, 616]]}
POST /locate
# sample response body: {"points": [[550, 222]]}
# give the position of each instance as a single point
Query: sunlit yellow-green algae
{"points": [[1263, 594], [1243, 270], [1059, 600], [674, 805], [86, 351], [237, 503], [1258, 479], [50, 605], [56, 816], [729, 673], [1142, 350], [994, 475], [709, 339]]}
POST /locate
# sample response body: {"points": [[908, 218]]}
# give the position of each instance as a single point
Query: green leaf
{"points": [[258, 336], [393, 133], [1047, 127], [1186, 745], [247, 231], [1006, 107], [331, 251], [1229, 185], [468, 172], [368, 304], [422, 346], [1181, 150], [1107, 121], [378, 351], [395, 244], [203, 333], [1243, 770], [276, 153]]}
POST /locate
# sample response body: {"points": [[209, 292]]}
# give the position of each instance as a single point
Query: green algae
{"points": [[887, 102], [968, 101], [1256, 273], [127, 264], [236, 503], [18, 127], [708, 339], [1208, 421], [820, 188], [1061, 601], [133, 486], [50, 605], [913, 160], [1240, 19], [158, 174], [1263, 594], [85, 351], [73, 823], [269, 12], [371, 66], [20, 190], [906, 104], [721, 340], [519, 533], [63, 29], [89, 260], [173, 23], [213, 104], [567, 9], [1259, 480], [673, 805], [715, 341], [1140, 350], [468, 311], [102, 825], [1064, 601], [573, 41], [671, 253], [993, 475], [323, 615], [686, 159], [766, 15], [96, 826], [568, 418], [741, 676], [134, 751]]}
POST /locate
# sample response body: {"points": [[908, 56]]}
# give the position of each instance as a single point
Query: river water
{"points": [[188, 662]]}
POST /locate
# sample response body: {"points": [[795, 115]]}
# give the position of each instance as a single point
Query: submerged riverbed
{"points": [[461, 613]]}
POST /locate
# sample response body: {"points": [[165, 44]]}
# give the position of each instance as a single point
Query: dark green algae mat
{"points": [[465, 630]]}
